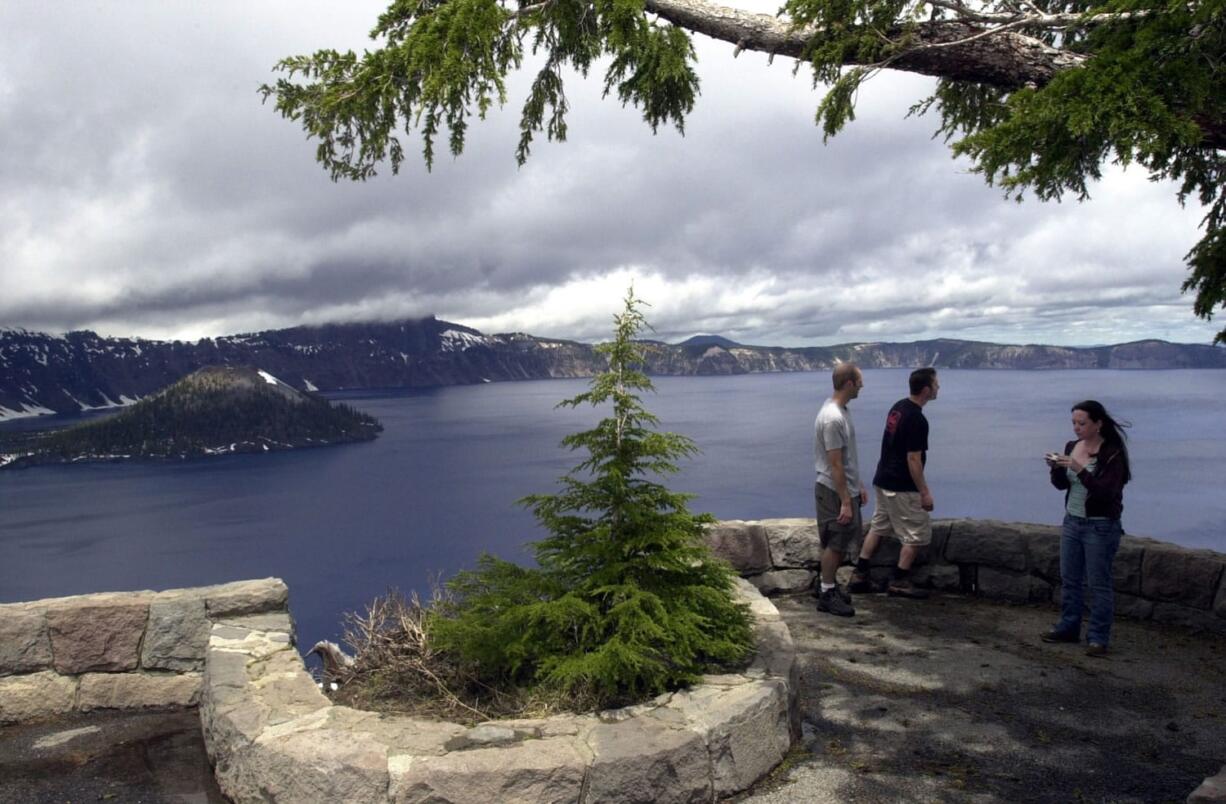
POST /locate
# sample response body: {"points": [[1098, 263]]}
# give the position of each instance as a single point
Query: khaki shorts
{"points": [[830, 533], [900, 513]]}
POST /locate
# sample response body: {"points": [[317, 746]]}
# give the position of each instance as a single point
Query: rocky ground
{"points": [[953, 699]]}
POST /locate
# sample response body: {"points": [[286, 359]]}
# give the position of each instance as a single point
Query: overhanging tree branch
{"points": [[1038, 94]]}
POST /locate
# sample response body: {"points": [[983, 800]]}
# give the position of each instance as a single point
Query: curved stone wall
{"points": [[1006, 560], [117, 650], [273, 736]]}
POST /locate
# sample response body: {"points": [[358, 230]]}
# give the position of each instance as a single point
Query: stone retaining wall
{"points": [[117, 650], [273, 736], [1012, 561]]}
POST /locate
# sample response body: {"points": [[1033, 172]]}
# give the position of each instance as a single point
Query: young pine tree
{"points": [[627, 601]]}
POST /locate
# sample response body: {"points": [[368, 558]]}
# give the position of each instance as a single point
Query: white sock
{"points": [[826, 587]]}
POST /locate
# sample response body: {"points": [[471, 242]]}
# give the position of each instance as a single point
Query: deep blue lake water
{"points": [[343, 524]]}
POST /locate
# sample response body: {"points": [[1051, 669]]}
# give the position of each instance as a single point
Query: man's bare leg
{"points": [[906, 557], [831, 559], [871, 540]]}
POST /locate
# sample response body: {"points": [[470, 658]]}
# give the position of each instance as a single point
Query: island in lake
{"points": [[215, 410]]}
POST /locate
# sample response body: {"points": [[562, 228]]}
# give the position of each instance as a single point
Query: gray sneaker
{"points": [[832, 602]]}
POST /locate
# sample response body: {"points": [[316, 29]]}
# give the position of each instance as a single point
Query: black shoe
{"points": [[1096, 650], [1056, 635], [861, 584], [832, 602], [905, 589], [816, 590]]}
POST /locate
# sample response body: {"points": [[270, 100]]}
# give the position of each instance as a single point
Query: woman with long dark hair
{"points": [[1092, 472]]}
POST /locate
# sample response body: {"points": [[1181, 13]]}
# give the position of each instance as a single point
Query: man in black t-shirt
{"points": [[903, 497]]}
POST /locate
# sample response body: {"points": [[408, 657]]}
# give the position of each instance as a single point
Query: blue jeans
{"points": [[1087, 548]]}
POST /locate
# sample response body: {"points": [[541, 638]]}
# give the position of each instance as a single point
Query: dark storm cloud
{"points": [[144, 189]]}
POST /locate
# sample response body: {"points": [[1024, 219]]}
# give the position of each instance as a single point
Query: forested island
{"points": [[216, 410]]}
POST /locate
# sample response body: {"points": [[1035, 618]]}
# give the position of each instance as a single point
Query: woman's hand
{"points": [[1068, 462]]}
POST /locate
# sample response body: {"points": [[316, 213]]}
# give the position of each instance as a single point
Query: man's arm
{"points": [[915, 465], [839, 476]]}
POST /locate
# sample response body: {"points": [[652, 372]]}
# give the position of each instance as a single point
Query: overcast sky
{"points": [[145, 190]]}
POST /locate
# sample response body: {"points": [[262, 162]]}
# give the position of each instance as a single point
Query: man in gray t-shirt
{"points": [[838, 491]]}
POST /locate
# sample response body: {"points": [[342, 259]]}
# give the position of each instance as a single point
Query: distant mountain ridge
{"points": [[42, 373]]}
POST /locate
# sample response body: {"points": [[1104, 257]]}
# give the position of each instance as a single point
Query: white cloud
{"points": [[145, 190]]}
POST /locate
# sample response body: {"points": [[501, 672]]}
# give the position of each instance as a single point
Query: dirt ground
{"points": [[955, 699], [146, 758]]}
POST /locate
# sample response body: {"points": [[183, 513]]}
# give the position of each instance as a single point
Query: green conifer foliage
{"points": [[627, 601]]}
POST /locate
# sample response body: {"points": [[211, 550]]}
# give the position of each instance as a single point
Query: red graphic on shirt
{"points": [[891, 421]]}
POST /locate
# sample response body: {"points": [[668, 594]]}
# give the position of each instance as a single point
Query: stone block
{"points": [[940, 537], [35, 696], [281, 683], [25, 645], [760, 608], [177, 635], [246, 597], [989, 543], [548, 770], [1133, 607], [741, 544], [642, 761], [1019, 587], [1194, 619], [938, 576], [776, 650], [99, 636], [783, 581], [138, 691], [1043, 553], [793, 542], [278, 621], [405, 735], [1177, 575], [745, 728], [314, 765], [1126, 570]]}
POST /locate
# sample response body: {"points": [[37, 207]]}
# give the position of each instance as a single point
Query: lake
{"points": [[342, 524]]}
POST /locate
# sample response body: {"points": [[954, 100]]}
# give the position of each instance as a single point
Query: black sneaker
{"points": [[832, 602], [816, 590], [1055, 635], [906, 589]]}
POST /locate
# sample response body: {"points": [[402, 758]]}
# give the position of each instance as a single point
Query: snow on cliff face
{"points": [[25, 412], [456, 341]]}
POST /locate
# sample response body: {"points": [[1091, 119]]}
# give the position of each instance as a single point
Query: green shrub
{"points": [[626, 600]]}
